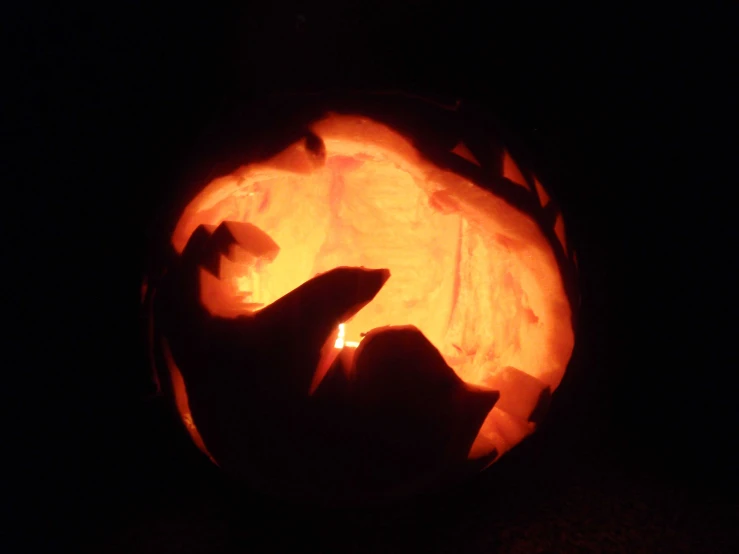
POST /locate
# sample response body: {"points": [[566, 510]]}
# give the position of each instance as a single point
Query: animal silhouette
{"points": [[277, 405]]}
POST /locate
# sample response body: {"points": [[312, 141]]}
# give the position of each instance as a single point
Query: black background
{"points": [[627, 116]]}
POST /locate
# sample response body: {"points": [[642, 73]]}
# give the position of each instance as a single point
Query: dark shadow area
{"points": [[402, 421], [115, 115]]}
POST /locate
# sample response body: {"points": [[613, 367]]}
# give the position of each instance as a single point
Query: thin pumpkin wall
{"points": [[359, 314]]}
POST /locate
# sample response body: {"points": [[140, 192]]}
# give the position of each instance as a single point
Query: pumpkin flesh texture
{"points": [[473, 274]]}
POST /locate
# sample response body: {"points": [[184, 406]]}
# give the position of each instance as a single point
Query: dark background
{"points": [[627, 116]]}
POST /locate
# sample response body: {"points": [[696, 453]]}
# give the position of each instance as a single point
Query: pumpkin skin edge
{"points": [[559, 251]]}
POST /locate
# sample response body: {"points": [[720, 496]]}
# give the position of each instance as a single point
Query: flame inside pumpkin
{"points": [[474, 274]]}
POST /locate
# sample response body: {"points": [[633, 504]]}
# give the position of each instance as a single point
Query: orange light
{"points": [[340, 342], [477, 276]]}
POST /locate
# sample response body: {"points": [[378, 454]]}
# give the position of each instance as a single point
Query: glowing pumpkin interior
{"points": [[474, 274]]}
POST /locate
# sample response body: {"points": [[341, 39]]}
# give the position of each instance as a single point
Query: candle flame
{"points": [[340, 342]]}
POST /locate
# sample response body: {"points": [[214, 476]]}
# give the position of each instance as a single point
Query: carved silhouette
{"points": [[278, 406]]}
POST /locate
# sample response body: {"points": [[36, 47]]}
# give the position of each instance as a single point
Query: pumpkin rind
{"points": [[274, 224]]}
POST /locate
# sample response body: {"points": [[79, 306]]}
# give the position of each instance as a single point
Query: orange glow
{"points": [[462, 151], [340, 343], [474, 274], [511, 171], [559, 229], [183, 406], [543, 196]]}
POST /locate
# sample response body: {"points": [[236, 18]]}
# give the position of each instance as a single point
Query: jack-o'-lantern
{"points": [[359, 316]]}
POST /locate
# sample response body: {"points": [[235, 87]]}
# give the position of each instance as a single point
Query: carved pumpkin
{"points": [[352, 317]]}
